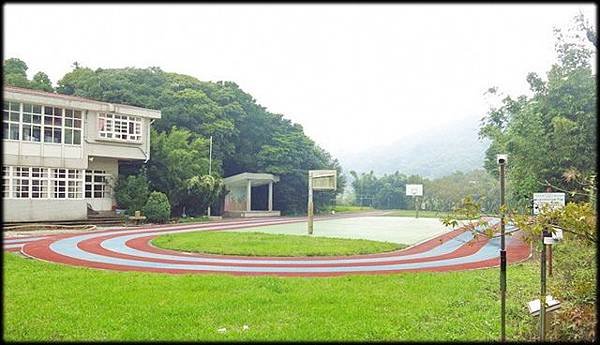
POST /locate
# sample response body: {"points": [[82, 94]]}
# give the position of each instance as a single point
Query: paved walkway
{"points": [[129, 250], [403, 230]]}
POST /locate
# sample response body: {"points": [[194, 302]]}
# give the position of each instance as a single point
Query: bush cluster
{"points": [[157, 208], [132, 192]]}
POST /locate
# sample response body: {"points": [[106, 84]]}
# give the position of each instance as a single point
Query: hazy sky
{"points": [[355, 76]]}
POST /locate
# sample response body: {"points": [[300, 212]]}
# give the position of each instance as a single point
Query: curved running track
{"points": [[129, 250]]}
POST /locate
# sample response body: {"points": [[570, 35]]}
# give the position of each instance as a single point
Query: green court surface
{"points": [[387, 229]]}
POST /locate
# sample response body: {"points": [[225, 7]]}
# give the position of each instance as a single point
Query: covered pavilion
{"points": [[238, 202]]}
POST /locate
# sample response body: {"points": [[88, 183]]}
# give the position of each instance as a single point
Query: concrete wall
{"points": [[32, 210], [100, 147], [111, 166], [94, 153], [235, 200], [23, 153], [249, 214]]}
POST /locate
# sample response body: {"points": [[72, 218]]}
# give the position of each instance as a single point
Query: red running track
{"points": [[129, 250]]}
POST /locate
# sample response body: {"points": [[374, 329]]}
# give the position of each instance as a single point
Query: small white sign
{"points": [[557, 235], [534, 306], [414, 189], [553, 200], [549, 240]]}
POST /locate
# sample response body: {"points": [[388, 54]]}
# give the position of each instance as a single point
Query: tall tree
{"points": [[15, 73], [177, 166], [551, 136], [246, 136], [41, 81]]}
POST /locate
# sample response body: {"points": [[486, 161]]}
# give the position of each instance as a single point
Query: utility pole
{"points": [[502, 162], [310, 205], [209, 167]]}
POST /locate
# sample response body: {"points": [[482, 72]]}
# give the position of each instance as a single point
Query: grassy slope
{"points": [[44, 301], [261, 244]]}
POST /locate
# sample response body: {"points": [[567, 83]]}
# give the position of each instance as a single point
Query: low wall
{"points": [[32, 210], [247, 214]]}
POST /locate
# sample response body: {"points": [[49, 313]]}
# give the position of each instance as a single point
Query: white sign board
{"points": [[414, 189], [534, 306], [553, 200], [323, 179]]}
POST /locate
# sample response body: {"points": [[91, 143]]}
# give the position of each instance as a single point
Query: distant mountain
{"points": [[435, 153]]}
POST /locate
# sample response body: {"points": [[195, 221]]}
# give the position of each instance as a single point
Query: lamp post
{"points": [[209, 167], [502, 159]]}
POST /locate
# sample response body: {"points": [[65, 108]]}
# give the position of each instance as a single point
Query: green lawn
{"points": [[50, 302], [262, 244]]}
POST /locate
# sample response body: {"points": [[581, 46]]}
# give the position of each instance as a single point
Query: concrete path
{"points": [[404, 230], [129, 250]]}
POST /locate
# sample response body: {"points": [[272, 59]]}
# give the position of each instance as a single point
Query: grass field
{"points": [[262, 244], [49, 302]]}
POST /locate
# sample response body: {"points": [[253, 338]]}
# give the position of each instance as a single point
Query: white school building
{"points": [[61, 153]]}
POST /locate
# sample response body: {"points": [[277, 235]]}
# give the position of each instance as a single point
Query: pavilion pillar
{"points": [[248, 196], [270, 195]]}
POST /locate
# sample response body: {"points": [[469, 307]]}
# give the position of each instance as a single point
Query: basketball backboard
{"points": [[323, 179]]}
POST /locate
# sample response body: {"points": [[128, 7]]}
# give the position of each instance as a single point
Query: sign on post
{"points": [[318, 180], [414, 190], [323, 179], [553, 200]]}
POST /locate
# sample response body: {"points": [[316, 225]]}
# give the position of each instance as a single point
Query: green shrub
{"points": [[157, 208], [132, 192], [574, 284]]}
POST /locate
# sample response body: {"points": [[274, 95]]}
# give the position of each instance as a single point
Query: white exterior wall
{"points": [[32, 210], [100, 147], [236, 199], [94, 153], [22, 153], [111, 166]]}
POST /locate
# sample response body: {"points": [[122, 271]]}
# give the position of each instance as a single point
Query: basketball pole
{"points": [[310, 205], [416, 206], [209, 168]]}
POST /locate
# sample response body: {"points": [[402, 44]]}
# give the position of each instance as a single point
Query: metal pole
{"points": [[502, 258], [209, 167], [210, 155], [416, 206], [543, 293], [550, 261], [362, 193], [310, 205]]}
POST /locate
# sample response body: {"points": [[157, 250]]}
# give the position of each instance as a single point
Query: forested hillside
{"points": [[432, 154], [246, 137]]}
